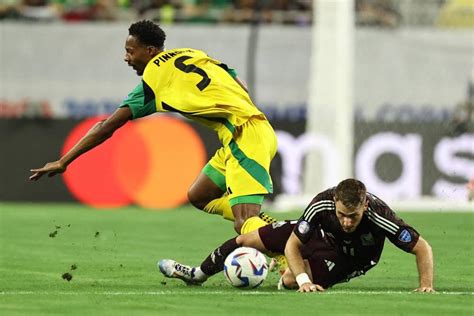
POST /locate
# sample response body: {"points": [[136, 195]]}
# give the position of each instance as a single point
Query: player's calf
{"points": [[214, 263]]}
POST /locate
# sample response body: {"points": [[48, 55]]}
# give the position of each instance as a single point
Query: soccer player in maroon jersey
{"points": [[340, 236]]}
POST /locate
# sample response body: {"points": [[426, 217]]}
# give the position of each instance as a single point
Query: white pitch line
{"points": [[243, 292]]}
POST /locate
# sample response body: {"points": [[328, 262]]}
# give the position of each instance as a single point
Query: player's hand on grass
{"points": [[51, 168], [424, 289], [310, 287]]}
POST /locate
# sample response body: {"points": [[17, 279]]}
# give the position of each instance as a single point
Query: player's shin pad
{"points": [[221, 207], [251, 224]]}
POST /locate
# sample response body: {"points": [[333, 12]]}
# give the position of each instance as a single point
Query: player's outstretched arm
{"points": [[95, 136], [424, 263], [297, 266]]}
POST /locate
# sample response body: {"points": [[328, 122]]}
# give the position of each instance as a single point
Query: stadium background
{"points": [[412, 89], [61, 67]]}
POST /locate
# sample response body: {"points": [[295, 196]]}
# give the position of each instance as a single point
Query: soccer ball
{"points": [[245, 268]]}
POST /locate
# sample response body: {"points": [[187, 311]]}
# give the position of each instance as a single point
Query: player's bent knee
{"points": [[241, 241], [196, 201], [245, 240]]}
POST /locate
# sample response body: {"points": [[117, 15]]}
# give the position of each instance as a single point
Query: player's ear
{"points": [[152, 50]]}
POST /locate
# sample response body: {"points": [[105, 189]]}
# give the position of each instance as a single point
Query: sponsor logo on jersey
{"points": [[404, 236], [303, 227]]}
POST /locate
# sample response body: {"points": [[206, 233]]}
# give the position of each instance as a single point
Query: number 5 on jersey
{"points": [[179, 63]]}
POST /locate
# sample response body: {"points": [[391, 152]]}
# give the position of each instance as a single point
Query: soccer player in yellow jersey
{"points": [[187, 81]]}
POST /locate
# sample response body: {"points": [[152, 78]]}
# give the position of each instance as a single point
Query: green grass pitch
{"points": [[112, 254]]}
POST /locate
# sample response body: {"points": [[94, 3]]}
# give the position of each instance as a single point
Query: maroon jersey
{"points": [[363, 247]]}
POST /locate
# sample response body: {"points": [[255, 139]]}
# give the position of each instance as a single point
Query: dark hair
{"points": [[148, 33], [351, 193]]}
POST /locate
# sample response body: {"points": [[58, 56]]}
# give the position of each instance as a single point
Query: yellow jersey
{"points": [[189, 82]]}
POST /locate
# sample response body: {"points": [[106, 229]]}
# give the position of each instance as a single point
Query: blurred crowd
{"points": [[382, 13]]}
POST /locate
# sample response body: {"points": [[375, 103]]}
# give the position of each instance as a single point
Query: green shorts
{"points": [[242, 168]]}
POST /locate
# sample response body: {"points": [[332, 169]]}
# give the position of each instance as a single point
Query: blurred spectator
{"points": [[205, 11], [87, 10], [125, 10], [418, 13], [247, 11], [381, 13], [457, 13], [297, 12], [38, 10], [163, 11], [9, 9]]}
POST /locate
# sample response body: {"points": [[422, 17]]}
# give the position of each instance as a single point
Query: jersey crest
{"points": [[405, 236]]}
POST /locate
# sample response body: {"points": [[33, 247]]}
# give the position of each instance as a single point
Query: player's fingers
{"points": [[35, 176], [316, 288], [304, 289]]}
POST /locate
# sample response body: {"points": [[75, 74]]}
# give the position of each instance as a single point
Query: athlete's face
{"points": [[350, 217], [138, 55]]}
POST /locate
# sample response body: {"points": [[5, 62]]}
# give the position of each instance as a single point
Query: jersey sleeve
{"points": [[141, 101], [230, 71], [396, 230], [309, 221]]}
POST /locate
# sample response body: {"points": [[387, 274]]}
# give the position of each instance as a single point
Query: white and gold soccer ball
{"points": [[245, 268]]}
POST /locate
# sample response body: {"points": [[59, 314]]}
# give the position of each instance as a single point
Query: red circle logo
{"points": [[150, 162]]}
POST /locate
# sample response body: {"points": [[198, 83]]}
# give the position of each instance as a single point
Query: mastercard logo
{"points": [[149, 162]]}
